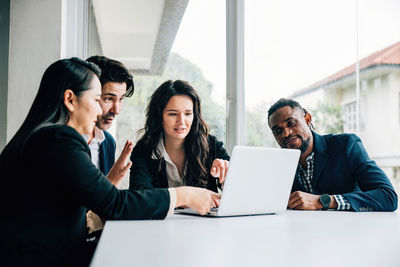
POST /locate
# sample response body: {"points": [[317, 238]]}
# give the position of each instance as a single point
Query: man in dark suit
{"points": [[334, 171], [117, 83]]}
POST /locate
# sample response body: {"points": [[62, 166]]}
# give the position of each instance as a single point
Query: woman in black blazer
{"points": [[48, 181], [176, 148]]}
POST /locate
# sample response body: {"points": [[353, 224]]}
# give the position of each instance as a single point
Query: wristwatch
{"points": [[325, 201]]}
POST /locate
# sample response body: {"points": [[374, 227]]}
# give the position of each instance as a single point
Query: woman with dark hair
{"points": [[176, 148], [47, 179]]}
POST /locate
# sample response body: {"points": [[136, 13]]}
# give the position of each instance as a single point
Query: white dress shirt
{"points": [[174, 179], [94, 146]]}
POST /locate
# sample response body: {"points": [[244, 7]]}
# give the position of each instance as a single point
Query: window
{"points": [[160, 41], [301, 50], [296, 49], [376, 38], [299, 53], [350, 121], [199, 56]]}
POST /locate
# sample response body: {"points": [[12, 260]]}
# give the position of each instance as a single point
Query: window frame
{"points": [[235, 97]]}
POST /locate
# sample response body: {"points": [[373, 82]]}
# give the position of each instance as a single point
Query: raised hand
{"points": [[120, 167]]}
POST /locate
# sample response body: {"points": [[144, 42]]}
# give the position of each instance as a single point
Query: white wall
{"points": [[35, 43], [381, 132]]}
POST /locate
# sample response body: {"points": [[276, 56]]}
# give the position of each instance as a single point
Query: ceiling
{"points": [[139, 33]]}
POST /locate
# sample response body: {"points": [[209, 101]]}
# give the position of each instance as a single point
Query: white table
{"points": [[295, 238]]}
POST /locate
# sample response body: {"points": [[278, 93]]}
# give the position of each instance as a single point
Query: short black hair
{"points": [[113, 71], [283, 102]]}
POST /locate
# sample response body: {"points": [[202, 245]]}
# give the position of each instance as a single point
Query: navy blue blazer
{"points": [[342, 166], [107, 153]]}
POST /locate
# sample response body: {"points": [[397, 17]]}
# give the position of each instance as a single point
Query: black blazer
{"points": [[342, 166], [148, 173], [43, 212]]}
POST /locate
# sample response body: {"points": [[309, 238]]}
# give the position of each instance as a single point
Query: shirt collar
{"points": [[310, 157], [163, 151], [173, 175], [99, 136]]}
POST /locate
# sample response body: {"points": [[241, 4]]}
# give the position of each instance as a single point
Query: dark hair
{"points": [[283, 102], [48, 107], [113, 71], [196, 142]]}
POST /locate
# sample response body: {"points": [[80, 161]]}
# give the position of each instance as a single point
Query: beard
{"points": [[304, 143]]}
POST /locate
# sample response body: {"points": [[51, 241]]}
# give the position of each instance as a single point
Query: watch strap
{"points": [[325, 200]]}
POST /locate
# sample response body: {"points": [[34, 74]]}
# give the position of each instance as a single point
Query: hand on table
{"points": [[299, 200], [198, 199]]}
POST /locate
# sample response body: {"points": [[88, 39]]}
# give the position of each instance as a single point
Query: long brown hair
{"points": [[196, 142]]}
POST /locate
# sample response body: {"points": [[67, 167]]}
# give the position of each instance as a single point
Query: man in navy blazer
{"points": [[334, 171], [116, 84]]}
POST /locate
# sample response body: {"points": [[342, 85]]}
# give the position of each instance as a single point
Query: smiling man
{"points": [[334, 171]]}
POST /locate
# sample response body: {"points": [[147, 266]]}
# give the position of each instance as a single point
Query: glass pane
{"points": [[307, 50], [379, 53], [302, 50], [161, 41], [199, 57]]}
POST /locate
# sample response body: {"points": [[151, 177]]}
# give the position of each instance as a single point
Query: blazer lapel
{"points": [[160, 179], [102, 157], [163, 176], [320, 158]]}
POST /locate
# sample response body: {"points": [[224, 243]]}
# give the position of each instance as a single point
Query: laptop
{"points": [[258, 181]]}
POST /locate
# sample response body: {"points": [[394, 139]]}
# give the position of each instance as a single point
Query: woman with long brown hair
{"points": [[176, 148]]}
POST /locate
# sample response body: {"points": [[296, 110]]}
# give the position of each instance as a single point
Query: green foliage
{"points": [[133, 113], [327, 118], [257, 129], [132, 116]]}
